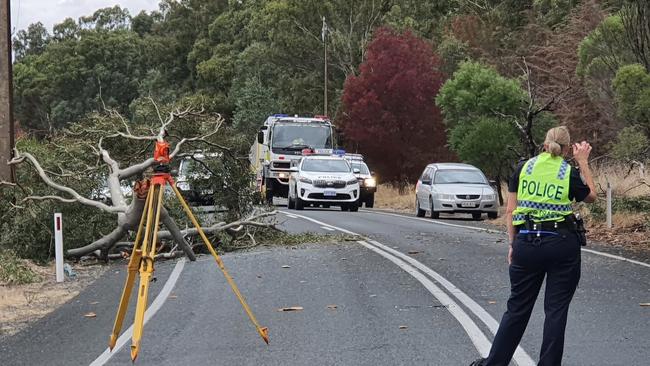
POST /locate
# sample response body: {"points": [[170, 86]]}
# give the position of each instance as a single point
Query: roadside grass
{"points": [[625, 182], [15, 271], [390, 197]]}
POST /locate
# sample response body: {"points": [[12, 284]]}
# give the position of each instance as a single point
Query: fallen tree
{"points": [[110, 152]]}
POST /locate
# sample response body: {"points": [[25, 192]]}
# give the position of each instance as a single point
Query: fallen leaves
{"points": [[332, 307], [173, 296], [90, 315], [286, 266], [93, 303], [644, 304], [492, 302], [403, 327], [292, 308], [414, 252]]}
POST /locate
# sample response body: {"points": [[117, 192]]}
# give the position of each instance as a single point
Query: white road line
{"points": [[520, 357], [615, 257], [328, 228], [290, 215], [153, 308], [475, 334], [591, 251]]}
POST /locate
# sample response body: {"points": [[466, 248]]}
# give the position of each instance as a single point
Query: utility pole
{"points": [[324, 38], [6, 91]]}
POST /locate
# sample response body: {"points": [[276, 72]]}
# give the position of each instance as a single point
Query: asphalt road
{"points": [[409, 292]]}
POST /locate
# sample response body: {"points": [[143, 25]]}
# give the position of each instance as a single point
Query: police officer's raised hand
{"points": [[581, 152]]}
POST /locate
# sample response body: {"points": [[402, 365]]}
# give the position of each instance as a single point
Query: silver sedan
{"points": [[455, 188]]}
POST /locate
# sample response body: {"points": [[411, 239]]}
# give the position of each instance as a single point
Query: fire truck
{"points": [[279, 145]]}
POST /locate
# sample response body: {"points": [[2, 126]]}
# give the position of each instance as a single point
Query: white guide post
{"points": [[58, 246], [609, 206]]}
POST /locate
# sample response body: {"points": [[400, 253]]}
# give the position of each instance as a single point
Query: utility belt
{"points": [[535, 230]]}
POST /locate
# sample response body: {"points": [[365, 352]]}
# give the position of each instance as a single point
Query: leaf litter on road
{"points": [[90, 315]]}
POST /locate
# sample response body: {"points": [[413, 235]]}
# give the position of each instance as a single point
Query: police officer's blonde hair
{"points": [[556, 139]]}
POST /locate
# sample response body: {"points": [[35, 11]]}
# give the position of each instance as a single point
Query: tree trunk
{"points": [[498, 189], [102, 244], [129, 221]]}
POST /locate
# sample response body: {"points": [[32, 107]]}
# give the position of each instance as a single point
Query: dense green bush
{"points": [[13, 270]]}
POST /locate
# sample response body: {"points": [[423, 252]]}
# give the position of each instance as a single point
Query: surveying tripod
{"points": [[144, 252]]}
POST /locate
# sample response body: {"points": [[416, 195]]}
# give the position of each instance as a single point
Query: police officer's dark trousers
{"points": [[556, 257]]}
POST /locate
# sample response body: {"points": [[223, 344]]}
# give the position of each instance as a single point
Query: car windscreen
{"points": [[191, 167], [363, 168], [325, 166], [449, 176], [302, 136]]}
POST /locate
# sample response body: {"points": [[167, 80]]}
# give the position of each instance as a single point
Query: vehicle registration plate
{"points": [[468, 204], [329, 193]]}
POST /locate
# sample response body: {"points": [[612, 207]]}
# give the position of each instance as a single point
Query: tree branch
{"points": [[20, 157]]}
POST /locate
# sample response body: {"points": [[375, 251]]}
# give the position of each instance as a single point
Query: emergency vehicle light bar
{"points": [[353, 156]]}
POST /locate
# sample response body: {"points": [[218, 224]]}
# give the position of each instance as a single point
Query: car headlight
{"points": [[370, 182], [352, 181], [305, 180], [183, 186], [490, 197], [283, 175]]}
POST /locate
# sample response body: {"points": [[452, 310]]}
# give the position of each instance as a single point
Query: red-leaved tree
{"points": [[388, 111]]}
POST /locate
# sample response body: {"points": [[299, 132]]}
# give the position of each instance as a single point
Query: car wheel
{"points": [[300, 204], [434, 214], [326, 206], [493, 215], [418, 211], [354, 206], [291, 203], [345, 207], [476, 216], [370, 202]]}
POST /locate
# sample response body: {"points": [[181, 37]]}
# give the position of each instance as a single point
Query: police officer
{"points": [[545, 239]]}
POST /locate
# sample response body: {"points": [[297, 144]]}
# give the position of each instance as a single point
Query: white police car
{"points": [[323, 180]]}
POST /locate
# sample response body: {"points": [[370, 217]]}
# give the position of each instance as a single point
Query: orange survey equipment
{"points": [[161, 152]]}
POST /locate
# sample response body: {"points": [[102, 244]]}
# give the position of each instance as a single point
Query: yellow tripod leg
{"points": [[146, 267], [133, 266], [263, 331]]}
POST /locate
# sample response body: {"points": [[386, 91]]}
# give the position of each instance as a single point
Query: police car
{"points": [[367, 181], [323, 180]]}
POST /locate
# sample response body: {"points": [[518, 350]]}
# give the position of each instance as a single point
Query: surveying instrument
{"points": [[144, 252]]}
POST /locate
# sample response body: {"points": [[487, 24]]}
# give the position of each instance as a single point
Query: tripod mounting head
{"points": [[161, 152], [161, 156]]}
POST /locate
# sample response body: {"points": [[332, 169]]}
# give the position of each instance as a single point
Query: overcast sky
{"points": [[50, 12]]}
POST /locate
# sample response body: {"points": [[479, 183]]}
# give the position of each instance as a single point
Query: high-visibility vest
{"points": [[543, 192]]}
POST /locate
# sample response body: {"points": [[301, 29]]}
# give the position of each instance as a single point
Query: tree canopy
{"points": [[388, 110]]}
